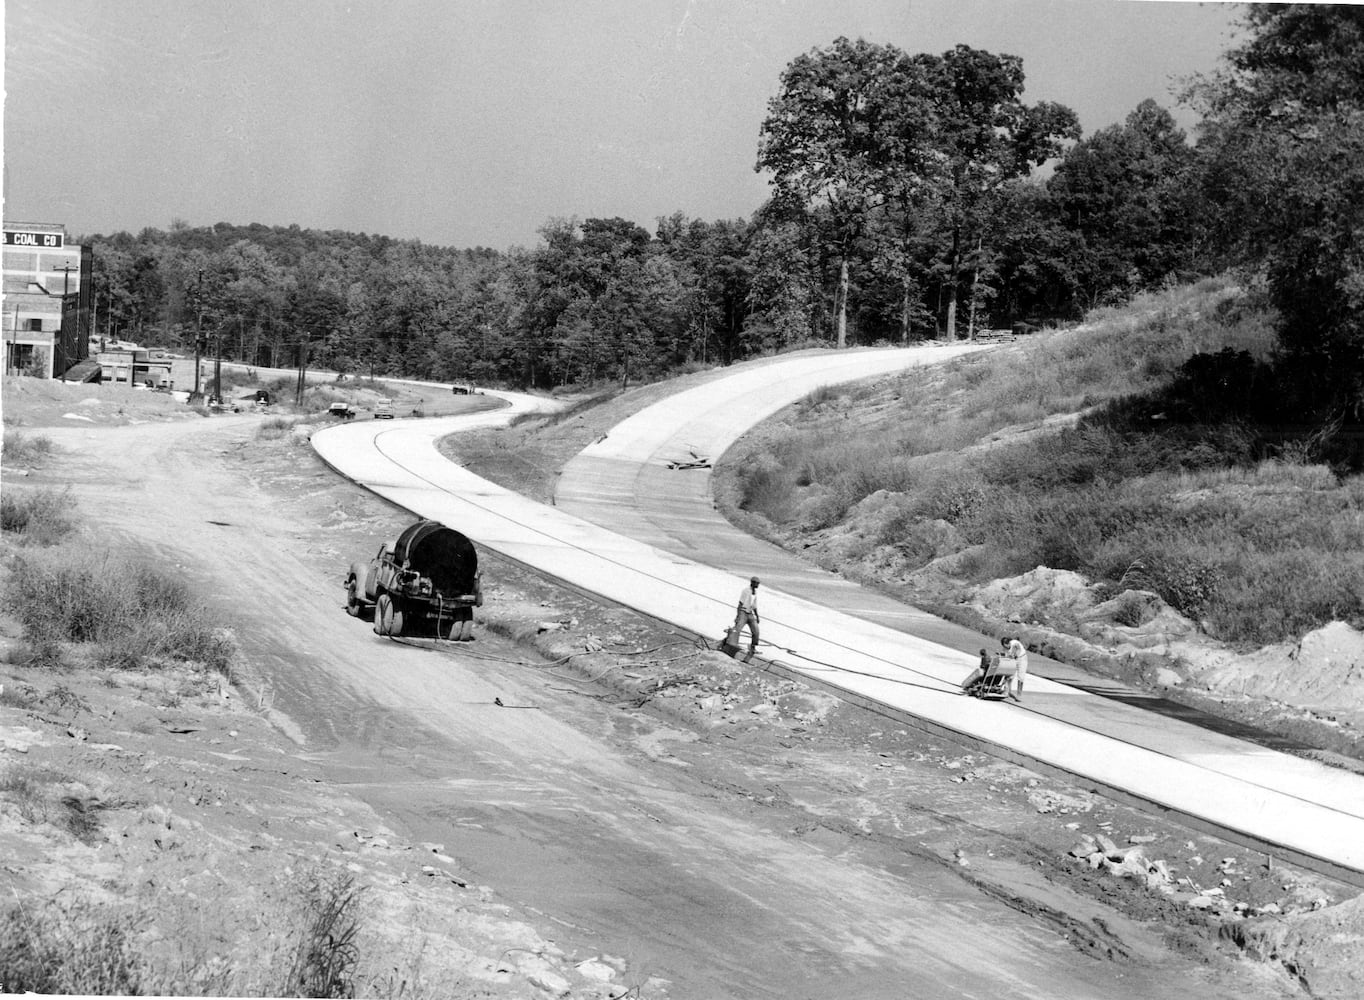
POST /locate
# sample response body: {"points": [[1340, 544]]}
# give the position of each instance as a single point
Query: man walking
{"points": [[748, 615]]}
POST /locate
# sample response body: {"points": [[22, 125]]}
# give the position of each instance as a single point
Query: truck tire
{"points": [[388, 616], [354, 606]]}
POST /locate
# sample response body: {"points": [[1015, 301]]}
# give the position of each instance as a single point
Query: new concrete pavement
{"points": [[668, 554]]}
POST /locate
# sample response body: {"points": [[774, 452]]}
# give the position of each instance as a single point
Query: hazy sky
{"points": [[473, 122]]}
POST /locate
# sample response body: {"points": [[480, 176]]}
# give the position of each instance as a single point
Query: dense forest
{"points": [[912, 197]]}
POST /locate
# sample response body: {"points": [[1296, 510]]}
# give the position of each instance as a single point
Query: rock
{"points": [[1141, 838], [1086, 846], [596, 970], [1106, 845], [1036, 594], [540, 973]]}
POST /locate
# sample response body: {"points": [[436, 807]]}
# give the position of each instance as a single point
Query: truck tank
{"points": [[441, 554]]}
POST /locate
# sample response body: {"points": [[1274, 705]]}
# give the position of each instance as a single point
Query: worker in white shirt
{"points": [[1018, 654], [748, 615]]}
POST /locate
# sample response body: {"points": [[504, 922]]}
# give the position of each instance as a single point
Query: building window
{"points": [[35, 325]]}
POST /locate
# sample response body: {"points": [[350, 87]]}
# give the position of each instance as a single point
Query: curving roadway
{"points": [[633, 530]]}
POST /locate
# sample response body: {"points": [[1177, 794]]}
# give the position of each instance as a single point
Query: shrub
{"points": [[136, 613], [273, 428], [19, 448], [765, 487], [43, 516]]}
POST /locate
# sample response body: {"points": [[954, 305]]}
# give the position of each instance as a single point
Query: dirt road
{"points": [[716, 863]]}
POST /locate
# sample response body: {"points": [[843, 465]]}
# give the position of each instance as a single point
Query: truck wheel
{"points": [[354, 606], [388, 616]]}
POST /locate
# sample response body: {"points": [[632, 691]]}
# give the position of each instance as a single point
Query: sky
{"points": [[475, 122]]}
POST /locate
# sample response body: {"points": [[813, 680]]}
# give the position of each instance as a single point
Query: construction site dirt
{"points": [[580, 802]]}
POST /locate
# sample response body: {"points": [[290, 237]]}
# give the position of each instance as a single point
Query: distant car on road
{"points": [[383, 410], [342, 411], [462, 390]]}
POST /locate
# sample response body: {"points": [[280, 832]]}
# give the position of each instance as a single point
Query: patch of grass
{"points": [[20, 449], [76, 947], [42, 516], [274, 428], [325, 961], [41, 795], [18, 696], [134, 612], [63, 698], [24, 786]]}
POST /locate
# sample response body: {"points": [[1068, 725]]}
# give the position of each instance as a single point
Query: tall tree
{"points": [[1283, 136], [986, 137], [820, 141]]}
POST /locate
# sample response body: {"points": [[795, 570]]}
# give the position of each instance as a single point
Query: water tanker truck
{"points": [[427, 581]]}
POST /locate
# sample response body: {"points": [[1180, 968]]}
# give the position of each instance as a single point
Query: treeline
{"points": [[906, 203]]}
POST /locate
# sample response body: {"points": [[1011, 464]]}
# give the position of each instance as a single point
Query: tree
{"points": [[1121, 191], [820, 141], [1283, 140], [986, 137]]}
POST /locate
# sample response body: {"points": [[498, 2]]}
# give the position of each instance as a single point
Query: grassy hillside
{"points": [[1098, 450]]}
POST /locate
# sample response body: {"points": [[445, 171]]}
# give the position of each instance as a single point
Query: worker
{"points": [[1017, 654], [747, 615]]}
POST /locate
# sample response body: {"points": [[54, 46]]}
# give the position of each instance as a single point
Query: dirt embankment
{"points": [[194, 796]]}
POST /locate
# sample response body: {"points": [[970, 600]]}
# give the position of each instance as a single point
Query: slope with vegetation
{"points": [[1100, 457]]}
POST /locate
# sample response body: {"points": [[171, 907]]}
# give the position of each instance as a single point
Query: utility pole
{"points": [[302, 371], [198, 328], [218, 366]]}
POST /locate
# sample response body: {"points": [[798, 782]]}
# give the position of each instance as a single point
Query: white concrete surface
{"points": [[1305, 810]]}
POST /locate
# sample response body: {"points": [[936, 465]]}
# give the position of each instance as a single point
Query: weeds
{"points": [[41, 795], [77, 948], [17, 697], [20, 449], [136, 614], [274, 428], [324, 964], [43, 516]]}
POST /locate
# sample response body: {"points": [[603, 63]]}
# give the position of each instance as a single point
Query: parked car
{"points": [[383, 410], [340, 410], [462, 390]]}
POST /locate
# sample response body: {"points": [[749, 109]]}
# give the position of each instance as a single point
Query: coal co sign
{"points": [[19, 238]]}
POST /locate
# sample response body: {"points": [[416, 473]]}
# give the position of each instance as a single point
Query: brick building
{"points": [[45, 314]]}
